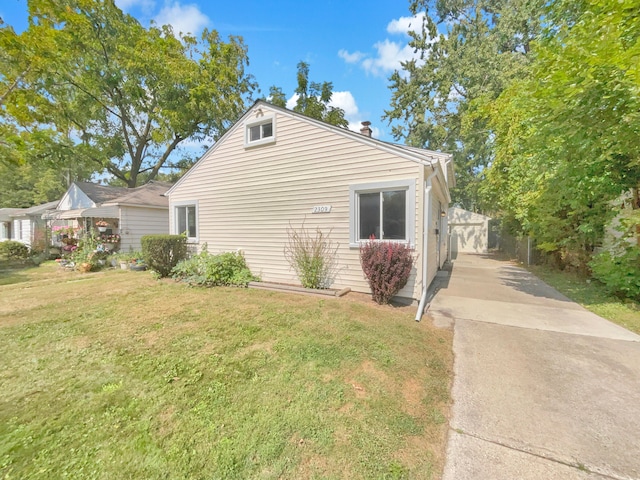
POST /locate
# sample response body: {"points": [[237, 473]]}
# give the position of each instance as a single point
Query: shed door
{"points": [[468, 238]]}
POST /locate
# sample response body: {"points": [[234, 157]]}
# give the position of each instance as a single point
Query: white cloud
{"points": [[354, 57], [388, 53], [292, 101], [406, 24], [183, 18], [346, 101], [388, 57]]}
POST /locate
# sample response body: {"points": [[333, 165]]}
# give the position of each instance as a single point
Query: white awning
{"points": [[111, 211]]}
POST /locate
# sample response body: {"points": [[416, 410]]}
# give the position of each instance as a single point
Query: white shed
{"points": [[469, 232]]}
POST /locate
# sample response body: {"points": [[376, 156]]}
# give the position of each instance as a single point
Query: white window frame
{"points": [[259, 122], [410, 209], [182, 204]]}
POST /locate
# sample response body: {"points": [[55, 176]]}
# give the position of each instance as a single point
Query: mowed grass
{"points": [[116, 375], [592, 295]]}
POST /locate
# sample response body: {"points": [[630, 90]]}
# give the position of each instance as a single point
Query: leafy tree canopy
{"points": [[469, 51], [567, 137], [112, 93], [312, 99]]}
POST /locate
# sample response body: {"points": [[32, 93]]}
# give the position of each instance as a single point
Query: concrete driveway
{"points": [[543, 388]]}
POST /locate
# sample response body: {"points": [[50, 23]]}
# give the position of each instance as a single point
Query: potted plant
{"points": [[102, 225]]}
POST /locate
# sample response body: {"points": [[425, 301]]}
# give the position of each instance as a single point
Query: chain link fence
{"points": [[521, 248]]}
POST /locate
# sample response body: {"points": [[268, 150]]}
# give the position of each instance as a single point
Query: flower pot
{"points": [[102, 229]]}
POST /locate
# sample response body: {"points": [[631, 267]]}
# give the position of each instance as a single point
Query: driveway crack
{"points": [[577, 465]]}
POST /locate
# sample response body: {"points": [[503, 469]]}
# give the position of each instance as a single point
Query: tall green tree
{"points": [[469, 51], [567, 137], [313, 99], [114, 93]]}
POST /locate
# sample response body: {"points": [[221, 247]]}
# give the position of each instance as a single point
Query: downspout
{"points": [[426, 222], [447, 163]]}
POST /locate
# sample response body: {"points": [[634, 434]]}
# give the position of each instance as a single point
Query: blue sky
{"points": [[354, 44]]}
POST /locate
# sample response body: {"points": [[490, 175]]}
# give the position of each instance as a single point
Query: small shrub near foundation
{"points": [[386, 266], [163, 252], [312, 256], [208, 270]]}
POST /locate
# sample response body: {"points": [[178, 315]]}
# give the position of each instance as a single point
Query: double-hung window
{"points": [[383, 211], [186, 220]]}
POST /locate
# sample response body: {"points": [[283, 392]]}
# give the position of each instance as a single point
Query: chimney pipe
{"points": [[366, 130]]}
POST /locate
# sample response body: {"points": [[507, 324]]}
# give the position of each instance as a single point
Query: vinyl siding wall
{"points": [[21, 231], [135, 222], [247, 198]]}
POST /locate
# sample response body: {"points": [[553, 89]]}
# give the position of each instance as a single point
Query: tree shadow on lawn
{"points": [[13, 271]]}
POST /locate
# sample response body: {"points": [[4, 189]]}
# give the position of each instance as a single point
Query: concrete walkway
{"points": [[543, 388]]}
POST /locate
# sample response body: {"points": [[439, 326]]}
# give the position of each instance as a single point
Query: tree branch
{"points": [[165, 155], [14, 85]]}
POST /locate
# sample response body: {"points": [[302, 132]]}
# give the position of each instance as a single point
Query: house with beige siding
{"points": [[130, 213], [275, 170]]}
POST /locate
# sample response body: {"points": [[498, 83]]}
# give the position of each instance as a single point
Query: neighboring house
{"points": [[129, 212], [469, 232], [6, 222], [27, 225], [276, 169]]}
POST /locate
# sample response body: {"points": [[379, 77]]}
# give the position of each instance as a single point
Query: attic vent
{"points": [[366, 130]]}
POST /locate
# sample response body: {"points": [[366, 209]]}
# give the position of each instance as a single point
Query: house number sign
{"points": [[321, 209]]}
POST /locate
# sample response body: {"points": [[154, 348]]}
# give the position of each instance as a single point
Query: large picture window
{"points": [[186, 220], [384, 211]]}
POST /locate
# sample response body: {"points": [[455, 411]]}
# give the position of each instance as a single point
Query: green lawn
{"points": [[592, 295], [115, 375]]}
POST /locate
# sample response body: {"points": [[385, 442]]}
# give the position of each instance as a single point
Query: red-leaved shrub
{"points": [[386, 266]]}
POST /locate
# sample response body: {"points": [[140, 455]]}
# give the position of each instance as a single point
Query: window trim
{"points": [[262, 120], [186, 203], [410, 210]]}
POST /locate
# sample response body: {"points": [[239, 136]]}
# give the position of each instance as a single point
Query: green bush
{"points": [[209, 270], [163, 252], [386, 266], [313, 257], [619, 273], [12, 250]]}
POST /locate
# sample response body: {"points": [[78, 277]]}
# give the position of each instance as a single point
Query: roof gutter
{"points": [[425, 241]]}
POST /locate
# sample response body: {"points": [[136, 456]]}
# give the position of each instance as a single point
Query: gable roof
{"points": [[100, 193], [148, 195], [418, 155]]}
